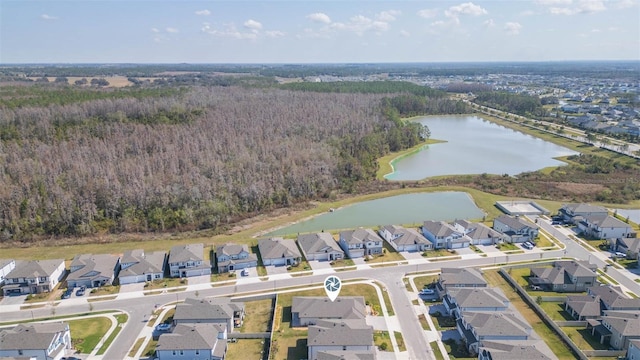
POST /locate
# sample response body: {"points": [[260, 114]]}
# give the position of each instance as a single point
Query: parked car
{"points": [[163, 327], [535, 287], [80, 292], [620, 255], [528, 245], [245, 272], [67, 294], [427, 292]]}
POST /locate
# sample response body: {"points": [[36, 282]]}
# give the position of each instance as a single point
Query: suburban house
{"points": [[459, 300], [403, 239], [35, 341], [210, 310], [320, 246], [574, 212], [583, 307], [565, 276], [351, 336], [633, 351], [450, 278], [231, 257], [277, 251], [613, 298], [515, 229], [92, 270], [34, 277], [477, 327], [617, 328], [137, 266], [307, 310], [360, 242], [188, 260], [479, 233], [510, 350], [6, 265], [444, 236], [605, 227], [629, 246], [193, 342]]}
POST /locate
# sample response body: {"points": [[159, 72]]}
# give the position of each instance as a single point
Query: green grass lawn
{"points": [[122, 319], [105, 290], [253, 349], [136, 346], [436, 350], [438, 253], [457, 350], [508, 247], [381, 340], [400, 341], [423, 322], [389, 255], [342, 263], [583, 338], [421, 281], [164, 283], [442, 322], [86, 333], [257, 316], [555, 310], [367, 291], [150, 349]]}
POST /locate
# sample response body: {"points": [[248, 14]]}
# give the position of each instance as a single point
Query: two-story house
{"points": [[231, 257], [444, 236], [340, 337], [617, 328], [605, 228], [575, 212], [188, 260], [451, 278], [35, 341], [360, 242], [34, 277], [6, 266], [565, 276], [93, 270], [137, 266], [403, 239], [613, 298], [479, 233], [515, 229]]}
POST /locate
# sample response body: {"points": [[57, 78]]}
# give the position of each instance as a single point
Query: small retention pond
{"points": [[400, 209]]}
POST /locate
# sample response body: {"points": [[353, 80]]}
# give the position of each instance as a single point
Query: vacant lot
{"points": [[257, 316], [86, 333]]}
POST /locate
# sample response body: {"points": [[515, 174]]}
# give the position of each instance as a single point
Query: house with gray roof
{"points": [[137, 266], [510, 350], [633, 351], [515, 229], [360, 242], [277, 251], [565, 276], [479, 233], [617, 328], [188, 260], [345, 355], [210, 310], [583, 307], [576, 211], [450, 278], [320, 246], [444, 236], [629, 246], [605, 227], [231, 257], [403, 239], [477, 327], [194, 342], [36, 341], [34, 277], [6, 265], [352, 335], [459, 300], [93, 270], [613, 298], [308, 310]]}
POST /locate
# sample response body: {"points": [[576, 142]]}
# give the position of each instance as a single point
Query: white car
{"points": [[427, 292]]}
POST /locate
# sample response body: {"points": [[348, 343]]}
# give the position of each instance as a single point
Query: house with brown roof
{"points": [[231, 257], [193, 342], [308, 310], [565, 276], [515, 229], [404, 239], [210, 310], [320, 246], [459, 278], [347, 336], [36, 341], [93, 270], [277, 251], [34, 277]]}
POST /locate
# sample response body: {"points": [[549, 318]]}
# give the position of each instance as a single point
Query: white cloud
{"points": [[428, 13], [360, 24], [405, 33], [172, 30], [253, 25], [489, 23], [553, 2], [389, 15], [48, 17], [512, 28], [204, 12], [319, 17], [465, 9], [155, 30], [581, 7], [527, 13], [274, 33], [624, 4]]}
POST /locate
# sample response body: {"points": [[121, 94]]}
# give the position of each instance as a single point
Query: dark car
{"points": [[80, 292], [67, 294]]}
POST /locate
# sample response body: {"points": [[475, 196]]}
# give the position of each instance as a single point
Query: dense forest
{"points": [[188, 158], [520, 104]]}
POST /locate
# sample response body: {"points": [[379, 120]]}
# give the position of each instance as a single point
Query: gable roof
{"points": [[464, 276], [192, 337], [584, 305], [632, 244], [345, 355], [344, 307], [35, 268], [496, 324], [143, 263], [318, 243], [516, 349], [614, 297], [606, 221], [625, 323], [562, 272], [231, 249], [35, 336], [359, 236], [515, 223], [277, 247], [584, 208], [478, 230], [90, 266], [206, 309], [439, 229], [184, 253], [346, 332], [478, 297], [406, 236]]}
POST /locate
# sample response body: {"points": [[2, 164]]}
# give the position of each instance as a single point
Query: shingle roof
{"points": [[5, 262], [606, 221], [192, 337], [626, 324], [235, 249], [351, 332], [478, 297], [614, 297], [31, 336], [562, 272], [455, 276], [439, 228], [144, 263], [408, 236], [584, 305], [189, 252], [318, 242], [206, 309], [496, 324], [344, 307], [632, 244], [510, 350], [35, 268], [478, 230], [584, 208], [345, 355], [91, 266], [277, 248], [359, 236], [515, 223]]}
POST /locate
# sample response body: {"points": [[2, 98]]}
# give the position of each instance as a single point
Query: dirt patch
{"points": [[578, 189]]}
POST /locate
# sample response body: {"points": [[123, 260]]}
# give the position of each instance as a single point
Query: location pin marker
{"points": [[332, 285]]}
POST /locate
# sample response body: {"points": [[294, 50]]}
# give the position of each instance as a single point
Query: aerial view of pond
{"points": [[475, 146], [400, 209], [632, 214]]}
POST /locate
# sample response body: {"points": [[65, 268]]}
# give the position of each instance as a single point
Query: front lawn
{"points": [[457, 350], [86, 333], [105, 290], [164, 283]]}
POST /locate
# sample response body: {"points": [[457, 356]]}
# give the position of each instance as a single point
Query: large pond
{"points": [[633, 214], [400, 209], [475, 146]]}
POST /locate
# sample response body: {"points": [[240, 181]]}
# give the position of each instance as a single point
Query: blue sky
{"points": [[303, 31]]}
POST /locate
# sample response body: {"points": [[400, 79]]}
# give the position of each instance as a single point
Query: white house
{"points": [[352, 335], [279, 252], [480, 234], [320, 246], [444, 236], [34, 277], [137, 266], [6, 265], [605, 227], [47, 341], [515, 229], [193, 342], [360, 242], [93, 270], [188, 260], [403, 239]]}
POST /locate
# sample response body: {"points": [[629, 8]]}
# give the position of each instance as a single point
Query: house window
{"points": [[197, 352], [174, 352], [181, 352], [344, 348]]}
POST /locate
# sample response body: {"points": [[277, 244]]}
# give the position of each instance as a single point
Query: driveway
{"points": [[465, 251], [197, 280], [127, 288], [414, 255], [13, 300], [275, 270], [489, 249], [320, 265]]}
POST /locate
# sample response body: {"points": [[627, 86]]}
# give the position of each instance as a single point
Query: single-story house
{"points": [[231, 257], [403, 239], [188, 260], [565, 276], [360, 242], [459, 300], [137, 266], [613, 298], [307, 310], [210, 310], [34, 277], [193, 342], [320, 246], [277, 251], [351, 335], [583, 307], [36, 341], [450, 278], [93, 270], [477, 327]]}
